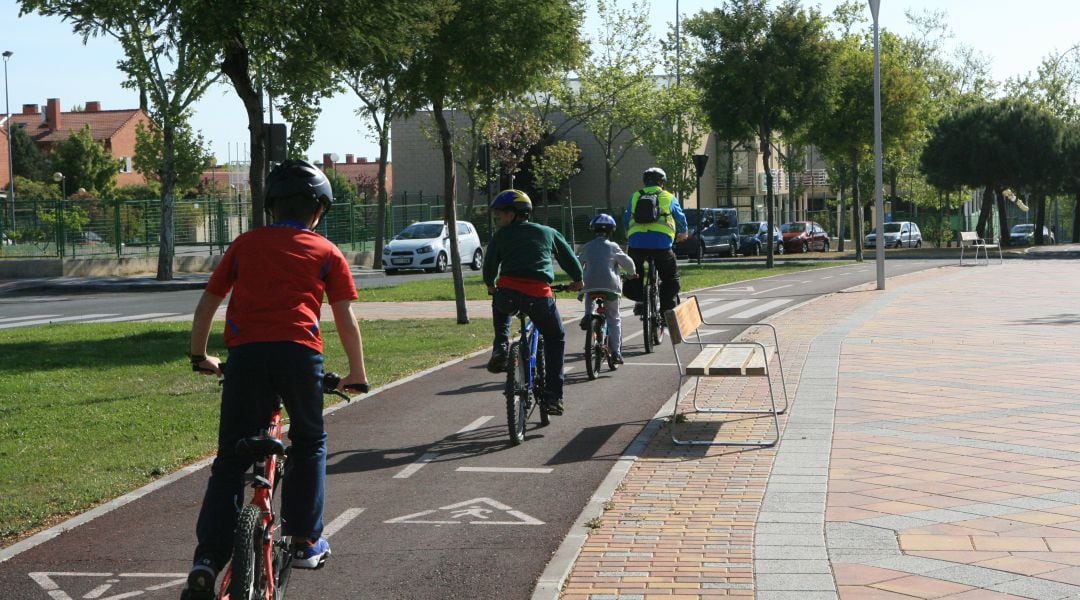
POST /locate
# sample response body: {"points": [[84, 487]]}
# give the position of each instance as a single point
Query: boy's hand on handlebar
{"points": [[209, 365], [491, 290], [349, 383], [682, 237], [577, 286], [633, 276]]}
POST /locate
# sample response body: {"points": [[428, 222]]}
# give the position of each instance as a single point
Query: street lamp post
{"points": [[879, 202], [700, 160], [11, 163]]}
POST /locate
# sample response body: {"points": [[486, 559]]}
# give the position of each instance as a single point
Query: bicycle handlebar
{"points": [[331, 381]]}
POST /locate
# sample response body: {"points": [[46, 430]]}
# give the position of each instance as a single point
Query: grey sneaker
{"points": [[200, 582]]}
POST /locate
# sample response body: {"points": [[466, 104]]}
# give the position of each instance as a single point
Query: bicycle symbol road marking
{"points": [[478, 511], [101, 583]]}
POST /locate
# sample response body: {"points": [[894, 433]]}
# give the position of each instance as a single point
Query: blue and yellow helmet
{"points": [[515, 200]]}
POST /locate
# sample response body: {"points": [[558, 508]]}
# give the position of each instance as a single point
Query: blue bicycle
{"points": [[525, 376]]}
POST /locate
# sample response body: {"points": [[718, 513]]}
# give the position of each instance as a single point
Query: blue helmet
{"points": [[515, 200], [602, 223]]}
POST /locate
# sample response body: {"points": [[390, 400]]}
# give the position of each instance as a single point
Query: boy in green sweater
{"points": [[520, 257]]}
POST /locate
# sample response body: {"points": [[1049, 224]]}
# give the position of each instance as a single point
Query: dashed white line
{"points": [[761, 308], [12, 319], [427, 457], [142, 317], [504, 470], [341, 521], [43, 321]]}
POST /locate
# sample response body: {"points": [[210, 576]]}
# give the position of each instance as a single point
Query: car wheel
{"points": [[390, 271], [440, 263], [825, 248], [806, 247], [778, 248], [756, 251], [477, 260], [918, 244]]}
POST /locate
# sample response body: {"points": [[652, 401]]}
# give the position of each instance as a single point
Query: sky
{"points": [[50, 61]]}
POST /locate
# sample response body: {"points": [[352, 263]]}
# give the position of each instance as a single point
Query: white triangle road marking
{"points": [[47, 580], [470, 512]]}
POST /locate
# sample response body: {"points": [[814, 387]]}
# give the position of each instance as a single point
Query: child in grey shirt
{"points": [[602, 260]]}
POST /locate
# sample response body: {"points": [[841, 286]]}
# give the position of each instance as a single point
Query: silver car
{"points": [[898, 234]]}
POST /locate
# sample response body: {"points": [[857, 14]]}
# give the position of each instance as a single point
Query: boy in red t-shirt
{"points": [[278, 276]]}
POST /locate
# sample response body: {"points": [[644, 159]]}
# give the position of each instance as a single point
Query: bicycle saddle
{"points": [[259, 445]]}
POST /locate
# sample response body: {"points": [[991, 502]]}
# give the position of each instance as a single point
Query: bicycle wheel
{"points": [[516, 394], [606, 346], [656, 322], [247, 555], [540, 380], [646, 319], [591, 343]]}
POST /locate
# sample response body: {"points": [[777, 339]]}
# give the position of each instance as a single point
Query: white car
{"points": [[426, 245]]}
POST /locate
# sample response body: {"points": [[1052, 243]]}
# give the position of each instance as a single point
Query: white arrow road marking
{"points": [[779, 287], [726, 306], [45, 579], [470, 512], [427, 457], [341, 521]]}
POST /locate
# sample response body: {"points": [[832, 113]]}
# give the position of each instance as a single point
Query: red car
{"points": [[804, 236]]}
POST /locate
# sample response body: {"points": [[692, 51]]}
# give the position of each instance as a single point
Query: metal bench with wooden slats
{"points": [[722, 359], [971, 239]]}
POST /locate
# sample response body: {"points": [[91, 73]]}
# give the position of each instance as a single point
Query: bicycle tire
{"points": [[516, 394], [247, 542], [607, 352], [590, 351], [540, 380], [646, 321], [657, 328]]}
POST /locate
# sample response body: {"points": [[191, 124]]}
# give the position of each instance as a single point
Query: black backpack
{"points": [[647, 209]]}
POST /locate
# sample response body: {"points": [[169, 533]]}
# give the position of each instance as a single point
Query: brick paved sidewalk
{"points": [[932, 451]]}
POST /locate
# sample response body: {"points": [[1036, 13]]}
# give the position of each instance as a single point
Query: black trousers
{"points": [[666, 269]]}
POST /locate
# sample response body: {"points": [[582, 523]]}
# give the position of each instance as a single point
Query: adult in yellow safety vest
{"points": [[654, 222]]}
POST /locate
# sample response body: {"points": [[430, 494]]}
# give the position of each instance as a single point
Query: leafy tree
{"points": [[744, 40], [678, 126], [485, 52], [191, 155], [85, 164], [615, 88], [344, 190], [163, 60], [510, 137], [555, 165], [26, 160]]}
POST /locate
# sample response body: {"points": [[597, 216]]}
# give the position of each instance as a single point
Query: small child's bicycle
{"points": [[262, 557], [597, 348], [525, 376]]}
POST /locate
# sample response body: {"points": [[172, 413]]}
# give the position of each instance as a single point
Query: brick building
{"points": [[113, 129], [360, 171]]}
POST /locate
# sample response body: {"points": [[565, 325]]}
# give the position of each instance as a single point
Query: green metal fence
{"points": [[106, 228]]}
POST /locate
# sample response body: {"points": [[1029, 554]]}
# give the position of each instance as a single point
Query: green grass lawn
{"points": [[89, 412]]}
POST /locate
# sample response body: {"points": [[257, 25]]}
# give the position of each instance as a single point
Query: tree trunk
{"points": [[1076, 218], [766, 155], [841, 214], [236, 67], [607, 187], [857, 209], [1003, 225], [1040, 218], [380, 213], [168, 183], [450, 207], [984, 211]]}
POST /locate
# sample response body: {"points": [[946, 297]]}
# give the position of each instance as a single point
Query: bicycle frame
{"points": [[530, 338], [266, 472]]}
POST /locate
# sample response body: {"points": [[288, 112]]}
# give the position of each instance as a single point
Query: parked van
{"points": [[711, 231]]}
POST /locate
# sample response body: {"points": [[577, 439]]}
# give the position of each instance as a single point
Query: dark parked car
{"points": [[711, 231], [754, 241], [804, 236], [1024, 235]]}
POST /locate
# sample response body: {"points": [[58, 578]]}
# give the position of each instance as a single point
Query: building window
{"points": [[125, 166]]}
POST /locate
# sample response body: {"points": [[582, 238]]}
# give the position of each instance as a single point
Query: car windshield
{"points": [[1023, 228], [421, 231], [750, 228], [892, 228], [793, 227], [717, 218]]}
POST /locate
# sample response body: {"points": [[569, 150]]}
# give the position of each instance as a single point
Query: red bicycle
{"points": [[262, 558]]}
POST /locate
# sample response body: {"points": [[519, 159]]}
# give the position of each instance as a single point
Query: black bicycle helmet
{"points": [[654, 176], [298, 178]]}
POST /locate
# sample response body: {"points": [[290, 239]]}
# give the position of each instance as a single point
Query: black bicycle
{"points": [[652, 322], [525, 376], [597, 343]]}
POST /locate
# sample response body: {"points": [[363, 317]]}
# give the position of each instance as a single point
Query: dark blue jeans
{"points": [[545, 317], [254, 375]]}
